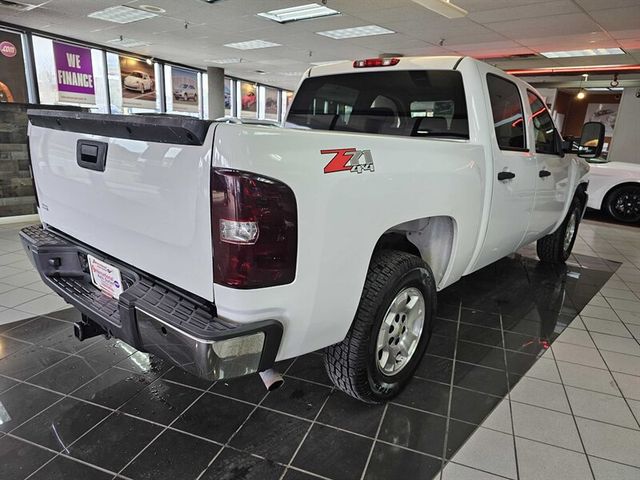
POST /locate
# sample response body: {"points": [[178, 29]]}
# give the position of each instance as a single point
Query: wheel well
{"points": [[430, 238], [614, 188]]}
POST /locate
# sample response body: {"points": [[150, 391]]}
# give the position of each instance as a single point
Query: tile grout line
{"points": [[508, 397], [375, 439], [443, 461], [575, 422]]}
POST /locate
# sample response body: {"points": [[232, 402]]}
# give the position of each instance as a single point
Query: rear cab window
{"points": [[415, 103], [508, 116]]}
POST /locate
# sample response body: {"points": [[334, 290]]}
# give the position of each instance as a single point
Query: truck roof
{"points": [[404, 63]]}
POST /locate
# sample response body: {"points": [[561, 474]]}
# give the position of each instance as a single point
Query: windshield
{"points": [[412, 103]]}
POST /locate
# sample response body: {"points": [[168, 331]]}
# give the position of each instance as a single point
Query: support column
{"points": [[215, 82]]}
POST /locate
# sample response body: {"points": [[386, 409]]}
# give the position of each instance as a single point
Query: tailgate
{"points": [[144, 201]]}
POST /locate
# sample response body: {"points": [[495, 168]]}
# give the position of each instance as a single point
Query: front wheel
{"points": [[556, 247], [623, 204], [390, 331]]}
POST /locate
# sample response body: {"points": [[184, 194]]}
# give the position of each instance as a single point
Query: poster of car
{"points": [[13, 82], [248, 99], [138, 83], [605, 113], [184, 87], [271, 103], [74, 74]]}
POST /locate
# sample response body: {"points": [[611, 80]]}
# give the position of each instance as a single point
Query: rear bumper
{"points": [[153, 316]]}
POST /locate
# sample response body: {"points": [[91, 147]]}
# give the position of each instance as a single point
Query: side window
{"points": [[506, 106], [543, 127]]}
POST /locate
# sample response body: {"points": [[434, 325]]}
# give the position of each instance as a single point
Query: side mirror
{"points": [[591, 140]]}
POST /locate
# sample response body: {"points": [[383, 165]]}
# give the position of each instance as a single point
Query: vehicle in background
{"points": [[139, 81], [225, 247], [614, 188], [186, 92]]}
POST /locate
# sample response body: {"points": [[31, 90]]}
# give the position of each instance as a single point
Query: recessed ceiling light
{"points": [[252, 45], [366, 31], [583, 53], [224, 61], [128, 43], [152, 9], [122, 14], [302, 12], [443, 7]]}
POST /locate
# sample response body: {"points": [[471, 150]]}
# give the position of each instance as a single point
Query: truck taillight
{"points": [[254, 227], [376, 62]]}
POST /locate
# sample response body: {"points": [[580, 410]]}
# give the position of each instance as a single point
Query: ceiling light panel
{"points": [[302, 12], [583, 53], [366, 31], [252, 45], [224, 61], [128, 43], [443, 7], [122, 14]]}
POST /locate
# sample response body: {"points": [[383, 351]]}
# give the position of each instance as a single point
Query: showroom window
{"points": [[543, 127], [182, 91], [133, 85], [70, 74], [506, 106], [410, 103]]}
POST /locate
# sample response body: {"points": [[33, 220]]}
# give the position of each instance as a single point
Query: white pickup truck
{"points": [[227, 247]]}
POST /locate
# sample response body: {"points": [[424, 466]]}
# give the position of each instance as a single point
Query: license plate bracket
{"points": [[105, 277]]}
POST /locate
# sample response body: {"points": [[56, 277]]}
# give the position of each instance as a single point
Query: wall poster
{"points": [[13, 81], [74, 74], [184, 85], [138, 83]]}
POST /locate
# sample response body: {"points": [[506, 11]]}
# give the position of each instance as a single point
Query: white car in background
{"points": [[186, 92], [614, 188], [139, 81]]}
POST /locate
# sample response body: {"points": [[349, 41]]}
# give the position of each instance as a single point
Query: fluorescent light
{"points": [[605, 89], [224, 61], [128, 43], [302, 12], [366, 31], [252, 44], [122, 14], [443, 7], [583, 53]]}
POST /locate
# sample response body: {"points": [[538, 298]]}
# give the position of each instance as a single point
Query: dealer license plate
{"points": [[106, 277]]}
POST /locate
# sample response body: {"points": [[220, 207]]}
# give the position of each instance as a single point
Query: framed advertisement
{"points": [[271, 103], [605, 113], [138, 83], [248, 99], [184, 89], [13, 80], [228, 97], [74, 74]]}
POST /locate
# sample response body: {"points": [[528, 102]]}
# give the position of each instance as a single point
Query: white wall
{"points": [[625, 146]]}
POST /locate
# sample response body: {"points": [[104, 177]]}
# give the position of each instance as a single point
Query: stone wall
{"points": [[17, 194]]}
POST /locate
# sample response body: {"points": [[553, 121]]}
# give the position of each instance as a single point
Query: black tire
{"points": [[552, 248], [623, 203], [352, 365]]}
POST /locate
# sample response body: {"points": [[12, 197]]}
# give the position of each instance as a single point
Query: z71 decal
{"points": [[349, 160]]}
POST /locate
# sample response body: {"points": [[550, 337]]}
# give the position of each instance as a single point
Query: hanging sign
{"points": [[74, 74]]}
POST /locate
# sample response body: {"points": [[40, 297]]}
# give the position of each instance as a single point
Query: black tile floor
{"points": [[100, 409]]}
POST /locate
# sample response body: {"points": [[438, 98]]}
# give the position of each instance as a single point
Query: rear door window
{"points": [[506, 107], [411, 103]]}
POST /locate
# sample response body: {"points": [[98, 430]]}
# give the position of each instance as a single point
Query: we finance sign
{"points": [[74, 74]]}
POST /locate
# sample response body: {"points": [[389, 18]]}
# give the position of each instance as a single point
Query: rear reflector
{"points": [[254, 225], [376, 62]]}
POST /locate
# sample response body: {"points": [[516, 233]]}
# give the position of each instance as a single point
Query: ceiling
{"points": [[493, 29]]}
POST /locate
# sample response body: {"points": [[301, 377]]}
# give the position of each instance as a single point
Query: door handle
{"points": [[544, 173], [502, 176]]}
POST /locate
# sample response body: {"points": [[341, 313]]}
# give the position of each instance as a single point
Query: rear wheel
{"points": [[556, 247], [390, 331], [623, 204]]}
